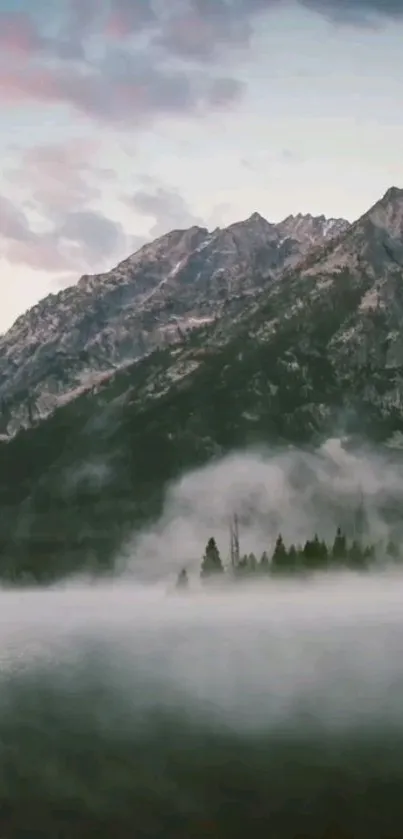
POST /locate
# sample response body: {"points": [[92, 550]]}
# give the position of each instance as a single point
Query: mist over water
{"points": [[126, 710], [270, 709]]}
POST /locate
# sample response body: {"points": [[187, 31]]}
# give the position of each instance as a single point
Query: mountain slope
{"points": [[318, 352], [182, 281]]}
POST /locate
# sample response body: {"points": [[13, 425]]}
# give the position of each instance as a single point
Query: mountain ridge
{"points": [[318, 353], [181, 281]]}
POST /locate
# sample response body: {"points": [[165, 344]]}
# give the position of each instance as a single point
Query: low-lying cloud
{"points": [[129, 708], [128, 711], [298, 493]]}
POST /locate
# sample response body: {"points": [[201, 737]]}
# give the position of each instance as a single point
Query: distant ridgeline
{"points": [[315, 555]]}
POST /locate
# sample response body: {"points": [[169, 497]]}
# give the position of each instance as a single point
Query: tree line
{"points": [[315, 555]]}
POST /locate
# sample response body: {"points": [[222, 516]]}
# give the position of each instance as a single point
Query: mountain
{"points": [[319, 351], [311, 230], [185, 279]]}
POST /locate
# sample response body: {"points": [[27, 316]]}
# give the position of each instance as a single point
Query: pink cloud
{"points": [[129, 17], [122, 86], [74, 235], [59, 176], [19, 35], [70, 156], [135, 95], [77, 241], [41, 255], [13, 222], [20, 245], [116, 27], [19, 85]]}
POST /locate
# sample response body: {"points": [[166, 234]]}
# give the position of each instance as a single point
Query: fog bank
{"points": [[132, 711], [298, 493]]}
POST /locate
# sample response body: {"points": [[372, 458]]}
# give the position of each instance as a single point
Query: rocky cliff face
{"points": [[182, 281]]}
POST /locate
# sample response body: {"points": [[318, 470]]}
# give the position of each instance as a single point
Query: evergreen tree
{"points": [[279, 558], [312, 553], [339, 550], [316, 548], [293, 558], [308, 552], [242, 567], [324, 553], [211, 564], [319, 553]]}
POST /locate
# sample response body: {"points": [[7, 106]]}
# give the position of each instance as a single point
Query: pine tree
{"points": [[279, 558], [293, 558], [242, 568], [309, 552], [316, 546], [319, 553], [211, 564], [324, 553], [339, 549]]}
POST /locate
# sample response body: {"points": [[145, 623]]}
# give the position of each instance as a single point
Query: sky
{"points": [[123, 119]]}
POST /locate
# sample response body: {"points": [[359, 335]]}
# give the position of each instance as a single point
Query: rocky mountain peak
{"points": [[258, 221], [373, 243], [255, 225], [387, 213], [170, 246], [310, 229], [185, 279], [394, 193]]}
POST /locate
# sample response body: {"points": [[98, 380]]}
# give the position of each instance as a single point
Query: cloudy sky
{"points": [[121, 119]]}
